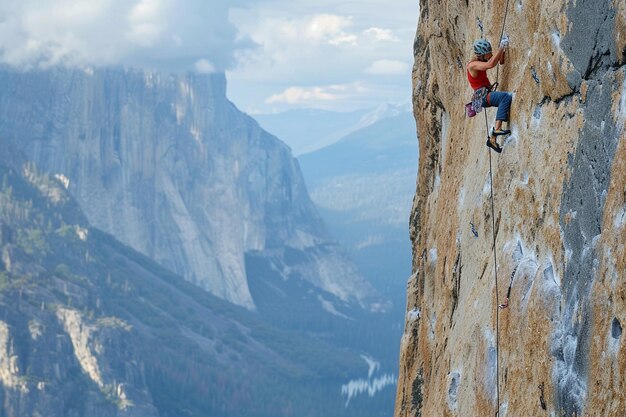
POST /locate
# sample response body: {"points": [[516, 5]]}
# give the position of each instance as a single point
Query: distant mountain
{"points": [[90, 327], [307, 130], [168, 166], [107, 171], [363, 185]]}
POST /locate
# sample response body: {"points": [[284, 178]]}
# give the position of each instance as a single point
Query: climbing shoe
{"points": [[500, 132], [494, 145]]}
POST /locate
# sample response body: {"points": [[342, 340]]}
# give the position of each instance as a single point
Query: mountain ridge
{"points": [[169, 166]]}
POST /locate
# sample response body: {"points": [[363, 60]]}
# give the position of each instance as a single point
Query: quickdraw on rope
{"points": [[493, 227]]}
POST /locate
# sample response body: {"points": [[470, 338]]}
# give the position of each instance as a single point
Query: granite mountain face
{"points": [[558, 224], [168, 166], [103, 172]]}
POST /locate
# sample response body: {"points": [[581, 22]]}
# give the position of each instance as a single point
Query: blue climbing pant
{"points": [[501, 100]]}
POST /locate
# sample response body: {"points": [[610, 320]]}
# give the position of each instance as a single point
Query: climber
{"points": [[483, 94]]}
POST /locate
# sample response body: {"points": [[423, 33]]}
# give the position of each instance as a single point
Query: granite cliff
{"points": [[559, 194], [167, 165]]}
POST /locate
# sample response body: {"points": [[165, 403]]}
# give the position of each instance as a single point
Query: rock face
{"points": [[43, 364], [56, 358], [560, 223], [170, 167]]}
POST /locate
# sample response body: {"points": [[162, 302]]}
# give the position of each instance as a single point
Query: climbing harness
{"points": [[476, 105], [478, 97], [493, 230]]}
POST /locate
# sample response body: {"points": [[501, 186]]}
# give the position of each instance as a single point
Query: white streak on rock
{"points": [[413, 315], [81, 335], [9, 367]]}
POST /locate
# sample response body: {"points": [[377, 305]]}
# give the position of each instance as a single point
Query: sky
{"points": [[277, 54]]}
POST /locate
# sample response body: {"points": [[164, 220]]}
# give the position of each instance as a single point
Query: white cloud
{"points": [[265, 46], [146, 22], [204, 66], [329, 28], [324, 43], [46, 33], [313, 95], [293, 48], [344, 38], [387, 67], [309, 30], [298, 95], [381, 35], [169, 34]]}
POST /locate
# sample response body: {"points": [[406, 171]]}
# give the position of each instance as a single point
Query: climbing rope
{"points": [[493, 233], [506, 13], [495, 267]]}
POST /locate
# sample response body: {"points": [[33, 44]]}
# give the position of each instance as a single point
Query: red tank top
{"points": [[480, 81]]}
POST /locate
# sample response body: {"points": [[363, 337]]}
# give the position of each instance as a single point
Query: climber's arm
{"points": [[484, 66]]}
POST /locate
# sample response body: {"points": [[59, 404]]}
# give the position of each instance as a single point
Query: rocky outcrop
{"points": [[43, 371], [558, 193], [171, 168], [56, 358]]}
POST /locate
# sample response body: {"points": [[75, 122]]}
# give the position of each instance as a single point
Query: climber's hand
{"points": [[501, 53], [504, 43]]}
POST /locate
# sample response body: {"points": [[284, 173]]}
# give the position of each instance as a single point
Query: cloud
{"points": [[328, 28], [146, 22], [313, 95], [319, 29], [172, 34], [265, 46], [387, 67], [344, 38], [295, 47], [300, 44], [203, 66], [381, 35]]}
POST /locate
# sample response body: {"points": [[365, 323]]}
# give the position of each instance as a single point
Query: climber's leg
{"points": [[502, 100]]}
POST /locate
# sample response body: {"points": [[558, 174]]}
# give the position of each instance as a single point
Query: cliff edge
{"points": [[559, 195]]}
